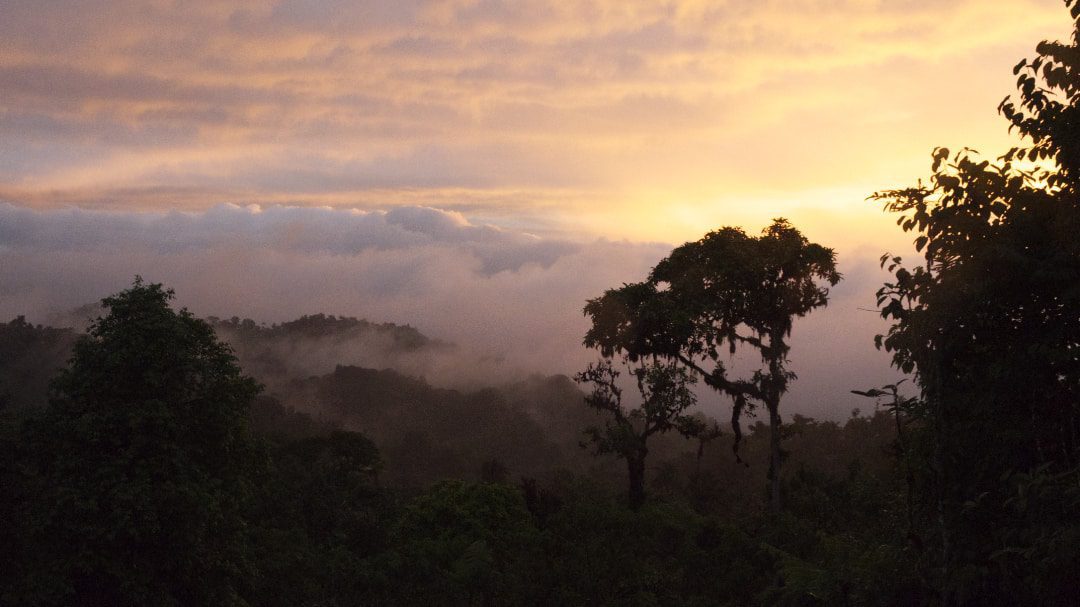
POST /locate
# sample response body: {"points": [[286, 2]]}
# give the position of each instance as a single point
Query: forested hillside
{"points": [[161, 459], [344, 463]]}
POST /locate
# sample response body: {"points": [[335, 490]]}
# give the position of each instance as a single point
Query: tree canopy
{"points": [[666, 394], [724, 291], [141, 463], [987, 322]]}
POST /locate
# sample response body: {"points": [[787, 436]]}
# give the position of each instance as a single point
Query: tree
{"points": [[464, 544], [29, 356], [987, 322], [318, 515], [139, 469], [727, 289], [666, 395]]}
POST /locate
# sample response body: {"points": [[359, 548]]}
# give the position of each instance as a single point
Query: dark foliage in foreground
{"points": [[156, 475], [988, 323], [134, 480]]}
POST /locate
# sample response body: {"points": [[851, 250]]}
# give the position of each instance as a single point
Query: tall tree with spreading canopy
{"points": [[988, 324], [666, 394], [725, 291], [140, 466]]}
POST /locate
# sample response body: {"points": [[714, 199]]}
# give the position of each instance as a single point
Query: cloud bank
{"points": [[510, 300], [589, 114]]}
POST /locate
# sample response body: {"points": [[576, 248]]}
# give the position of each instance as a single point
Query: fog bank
{"points": [[508, 300]]}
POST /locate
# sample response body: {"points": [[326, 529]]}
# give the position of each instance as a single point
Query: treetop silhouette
{"points": [[714, 295]]}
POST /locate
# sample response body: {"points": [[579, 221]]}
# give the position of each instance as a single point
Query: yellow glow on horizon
{"points": [[615, 119]]}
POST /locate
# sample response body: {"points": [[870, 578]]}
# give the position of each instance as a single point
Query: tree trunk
{"points": [[774, 457], [635, 464]]}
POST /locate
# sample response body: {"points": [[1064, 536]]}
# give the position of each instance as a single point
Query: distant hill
{"points": [[426, 433], [323, 372], [322, 326], [274, 354], [316, 344]]}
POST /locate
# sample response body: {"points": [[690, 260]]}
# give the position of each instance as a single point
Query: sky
{"points": [[476, 167]]}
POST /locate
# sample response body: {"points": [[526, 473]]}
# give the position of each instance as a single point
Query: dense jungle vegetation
{"points": [[162, 459]]}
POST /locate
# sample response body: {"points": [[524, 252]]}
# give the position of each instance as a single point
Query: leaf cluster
{"points": [[709, 297], [666, 391], [987, 324]]}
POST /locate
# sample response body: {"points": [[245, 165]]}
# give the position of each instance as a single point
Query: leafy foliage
{"points": [[317, 515], [139, 468], [29, 357], [988, 325], [306, 517], [666, 394], [462, 544], [726, 290]]}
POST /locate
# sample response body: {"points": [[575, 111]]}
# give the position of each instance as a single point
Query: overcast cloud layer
{"points": [[512, 301], [620, 117]]}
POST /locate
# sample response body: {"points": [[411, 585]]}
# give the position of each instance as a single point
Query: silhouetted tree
{"points": [[904, 409], [666, 394], [727, 289], [988, 323], [139, 468]]}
